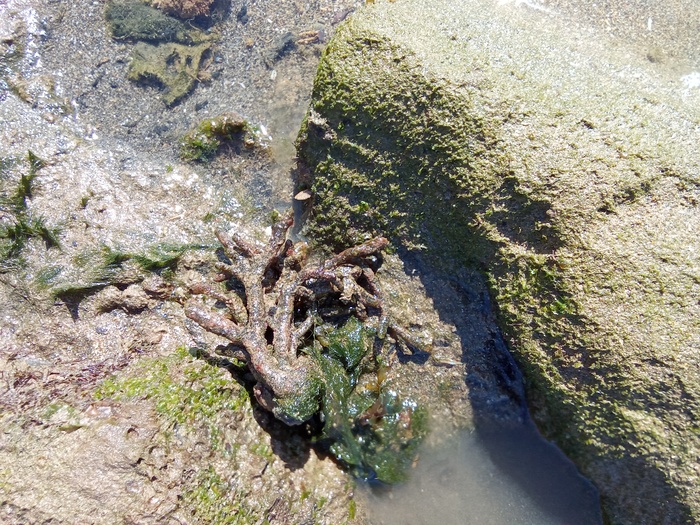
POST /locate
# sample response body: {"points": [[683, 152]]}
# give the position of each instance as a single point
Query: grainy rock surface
{"points": [[562, 163]]}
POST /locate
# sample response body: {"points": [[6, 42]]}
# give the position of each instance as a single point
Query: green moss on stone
{"points": [[378, 160], [211, 499], [183, 391]]}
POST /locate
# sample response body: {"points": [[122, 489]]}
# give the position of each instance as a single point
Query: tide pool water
{"points": [[506, 476]]}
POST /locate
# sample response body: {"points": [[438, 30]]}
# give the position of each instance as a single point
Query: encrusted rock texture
{"points": [[563, 165]]}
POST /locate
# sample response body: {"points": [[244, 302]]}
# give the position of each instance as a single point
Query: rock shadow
{"points": [[498, 399]]}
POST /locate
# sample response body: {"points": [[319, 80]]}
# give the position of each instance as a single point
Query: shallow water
{"points": [[500, 476]]}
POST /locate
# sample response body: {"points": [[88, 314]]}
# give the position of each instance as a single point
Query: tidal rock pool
{"points": [[489, 477]]}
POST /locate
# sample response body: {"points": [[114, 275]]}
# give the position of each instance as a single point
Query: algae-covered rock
{"points": [[134, 20], [174, 67], [567, 172]]}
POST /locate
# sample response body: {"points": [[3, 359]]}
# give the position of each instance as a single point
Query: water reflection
{"points": [[496, 476]]}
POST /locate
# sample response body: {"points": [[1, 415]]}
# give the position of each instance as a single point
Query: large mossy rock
{"points": [[567, 171]]}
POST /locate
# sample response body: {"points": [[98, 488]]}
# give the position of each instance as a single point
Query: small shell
{"points": [[303, 195]]}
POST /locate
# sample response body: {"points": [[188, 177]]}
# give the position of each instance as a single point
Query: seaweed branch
{"points": [[270, 322]]}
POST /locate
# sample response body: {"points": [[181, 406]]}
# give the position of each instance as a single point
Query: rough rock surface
{"points": [[565, 166]]}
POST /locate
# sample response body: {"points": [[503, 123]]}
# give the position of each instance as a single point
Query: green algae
{"points": [[23, 224], [213, 500], [374, 432], [381, 165], [173, 67], [94, 269], [161, 256], [183, 390], [24, 188], [204, 141], [190, 394], [302, 404], [348, 344], [376, 436], [25, 228]]}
